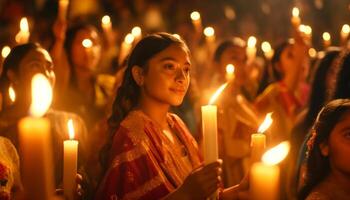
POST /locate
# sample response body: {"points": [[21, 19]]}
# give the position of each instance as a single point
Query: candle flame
{"points": [[129, 38], [5, 51], [312, 53], [295, 12], [217, 93], [345, 29], [209, 31], [106, 20], [41, 95], [266, 123], [251, 41], [230, 69], [87, 43], [195, 15], [326, 36], [266, 47], [70, 129], [136, 31], [12, 94], [276, 154], [23, 25]]}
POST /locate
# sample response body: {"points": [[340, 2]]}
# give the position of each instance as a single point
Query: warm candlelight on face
{"points": [[35, 143], [23, 34], [251, 49], [5, 51], [326, 39], [295, 17], [70, 162], [266, 48], [230, 72], [12, 94], [265, 176]]}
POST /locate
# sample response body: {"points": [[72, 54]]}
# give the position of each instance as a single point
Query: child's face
{"points": [[168, 76], [338, 147]]}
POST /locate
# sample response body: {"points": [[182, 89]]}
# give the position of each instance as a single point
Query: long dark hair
{"points": [[128, 93], [12, 62], [275, 72], [318, 166]]}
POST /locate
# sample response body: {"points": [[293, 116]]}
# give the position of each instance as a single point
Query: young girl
{"points": [[328, 166], [150, 153]]}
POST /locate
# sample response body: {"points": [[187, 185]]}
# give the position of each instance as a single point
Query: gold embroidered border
{"points": [[148, 186]]}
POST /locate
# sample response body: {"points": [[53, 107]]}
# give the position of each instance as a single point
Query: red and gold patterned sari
{"points": [[144, 163]]}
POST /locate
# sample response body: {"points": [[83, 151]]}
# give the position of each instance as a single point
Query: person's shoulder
{"points": [[134, 126]]}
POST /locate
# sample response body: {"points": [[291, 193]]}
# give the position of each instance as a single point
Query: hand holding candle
{"points": [[258, 140], [265, 176], [70, 163]]}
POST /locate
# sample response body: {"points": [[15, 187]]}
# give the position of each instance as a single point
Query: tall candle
{"points": [[209, 128], [265, 176], [344, 33], [251, 49], [196, 21], [209, 33], [70, 163], [295, 17], [35, 143], [258, 140], [326, 39], [125, 47], [106, 24], [22, 36], [62, 9], [230, 72]]}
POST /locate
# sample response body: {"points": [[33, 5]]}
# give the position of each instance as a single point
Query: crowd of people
{"points": [[136, 106]]}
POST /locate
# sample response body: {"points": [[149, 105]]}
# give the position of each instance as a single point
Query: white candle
{"points": [[307, 31], [344, 33], [230, 72], [268, 51], [70, 163], [209, 33], [251, 49], [106, 24], [265, 176], [35, 143], [196, 21], [62, 9], [126, 47], [295, 17], [258, 140], [137, 33], [23, 35], [326, 39]]}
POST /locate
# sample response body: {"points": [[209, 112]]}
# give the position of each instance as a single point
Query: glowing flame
{"points": [[136, 31], [345, 29], [276, 154], [195, 15], [326, 36], [87, 43], [12, 94], [5, 51], [41, 95], [106, 20], [209, 31], [217, 93], [251, 41], [23, 25], [129, 38], [295, 12], [312, 53], [266, 47], [230, 69], [70, 129], [266, 123]]}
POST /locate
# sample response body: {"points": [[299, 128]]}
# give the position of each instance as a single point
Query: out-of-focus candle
{"points": [[196, 21], [326, 39], [5, 51], [125, 47], [70, 163], [268, 51], [62, 9], [307, 31], [251, 49], [209, 33], [106, 24], [12, 94], [22, 36], [295, 17], [35, 143], [230, 72], [265, 176], [312, 53], [344, 33], [137, 33], [258, 140]]}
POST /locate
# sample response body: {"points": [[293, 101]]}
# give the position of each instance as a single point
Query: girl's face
{"points": [[167, 77], [86, 58], [237, 56], [338, 146]]}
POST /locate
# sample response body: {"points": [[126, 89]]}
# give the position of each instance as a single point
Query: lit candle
{"points": [[230, 72], [344, 33], [106, 24], [12, 94], [312, 53], [307, 31], [265, 176], [70, 163], [62, 9], [126, 47], [326, 39], [258, 140], [22, 36], [268, 51], [196, 21], [209, 33], [209, 128], [137, 33], [251, 49], [87, 44], [35, 143], [295, 17], [5, 52]]}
